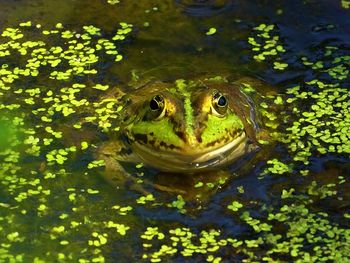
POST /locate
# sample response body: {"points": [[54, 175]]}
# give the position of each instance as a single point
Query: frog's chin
{"points": [[190, 163]]}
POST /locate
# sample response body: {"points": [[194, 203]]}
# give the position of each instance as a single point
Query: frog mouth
{"points": [[186, 163]]}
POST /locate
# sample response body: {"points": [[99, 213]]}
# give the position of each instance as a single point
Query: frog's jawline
{"points": [[181, 163]]}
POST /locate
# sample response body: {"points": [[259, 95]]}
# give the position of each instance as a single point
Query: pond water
{"points": [[58, 58]]}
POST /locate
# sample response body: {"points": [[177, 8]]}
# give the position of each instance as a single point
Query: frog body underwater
{"points": [[185, 126]]}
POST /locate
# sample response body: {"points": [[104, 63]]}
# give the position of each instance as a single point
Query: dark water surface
{"points": [[289, 203]]}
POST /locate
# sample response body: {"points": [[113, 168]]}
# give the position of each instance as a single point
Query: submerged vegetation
{"points": [[293, 206]]}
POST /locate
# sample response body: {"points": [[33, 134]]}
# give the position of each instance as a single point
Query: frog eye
{"points": [[156, 106], [219, 103]]}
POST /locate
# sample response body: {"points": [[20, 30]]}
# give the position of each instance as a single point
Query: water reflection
{"points": [[206, 7]]}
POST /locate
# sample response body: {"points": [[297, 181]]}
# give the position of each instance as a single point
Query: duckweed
{"points": [[122, 210], [277, 167], [36, 124], [235, 206], [96, 163], [113, 2], [120, 228], [179, 204], [145, 199], [345, 4], [266, 44], [316, 129], [211, 31]]}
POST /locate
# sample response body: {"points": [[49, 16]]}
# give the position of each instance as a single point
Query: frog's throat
{"points": [[189, 163]]}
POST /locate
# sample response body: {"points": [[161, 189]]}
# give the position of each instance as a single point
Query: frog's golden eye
{"points": [[157, 106], [219, 103]]}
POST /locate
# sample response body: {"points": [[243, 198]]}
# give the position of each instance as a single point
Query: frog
{"points": [[183, 126]]}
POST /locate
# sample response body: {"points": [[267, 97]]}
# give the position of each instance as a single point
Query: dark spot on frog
{"points": [[125, 151], [180, 134], [125, 138], [141, 138], [169, 146]]}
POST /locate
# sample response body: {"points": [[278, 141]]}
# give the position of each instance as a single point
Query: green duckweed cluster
{"points": [[211, 31], [277, 167], [74, 55], [333, 62], [345, 4], [316, 123], [323, 125], [183, 241], [324, 239], [43, 103], [322, 122], [309, 229], [266, 44], [113, 2]]}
